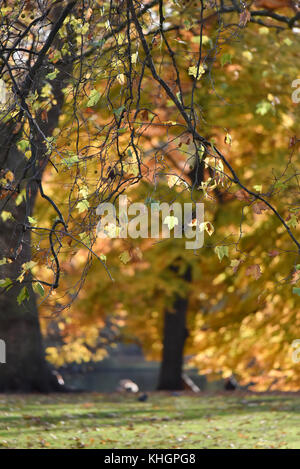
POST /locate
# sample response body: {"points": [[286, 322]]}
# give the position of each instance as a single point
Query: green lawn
{"points": [[164, 421]]}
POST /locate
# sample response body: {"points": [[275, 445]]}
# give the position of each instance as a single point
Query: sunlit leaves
{"points": [[125, 257], [263, 107], [292, 221], [21, 197], [82, 206], [296, 291], [131, 166], [171, 221], [222, 251], [121, 78], [46, 91], [38, 288], [5, 215], [103, 257], [28, 265], [235, 264], [172, 180], [23, 145], [205, 40], [208, 227], [52, 75], [134, 57], [23, 295], [226, 59], [6, 283], [9, 176], [71, 160], [110, 123], [93, 98], [201, 152], [117, 112], [32, 221], [196, 72], [264, 30], [110, 230], [248, 55], [228, 139]]}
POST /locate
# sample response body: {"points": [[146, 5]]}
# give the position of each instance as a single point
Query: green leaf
{"points": [[296, 290], [32, 221], [23, 145], [225, 59], [292, 222], [38, 288], [263, 108], [52, 75], [98, 43], [201, 151], [280, 185], [125, 257], [93, 98], [23, 295], [21, 197], [6, 283], [221, 252], [82, 206], [118, 112], [70, 161], [85, 239]]}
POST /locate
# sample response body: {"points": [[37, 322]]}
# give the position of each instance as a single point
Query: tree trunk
{"points": [[26, 368], [175, 333]]}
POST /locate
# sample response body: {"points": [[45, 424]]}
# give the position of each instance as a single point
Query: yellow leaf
{"points": [[125, 257], [196, 73], [121, 78]]}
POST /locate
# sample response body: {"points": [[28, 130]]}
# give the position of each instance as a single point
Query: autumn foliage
{"points": [[164, 101]]}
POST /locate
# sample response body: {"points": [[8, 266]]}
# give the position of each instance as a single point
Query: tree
{"points": [[78, 83], [26, 368], [221, 299]]}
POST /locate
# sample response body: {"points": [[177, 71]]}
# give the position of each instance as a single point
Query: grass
{"points": [[164, 421]]}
